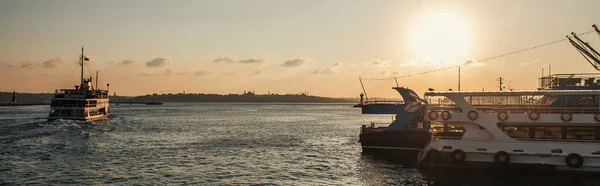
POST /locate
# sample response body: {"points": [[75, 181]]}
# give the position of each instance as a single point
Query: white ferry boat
{"points": [[556, 128], [84, 102]]}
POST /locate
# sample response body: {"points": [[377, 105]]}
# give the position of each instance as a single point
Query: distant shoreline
{"points": [[44, 98]]}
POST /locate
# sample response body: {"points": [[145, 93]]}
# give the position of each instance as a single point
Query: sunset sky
{"points": [[282, 46]]}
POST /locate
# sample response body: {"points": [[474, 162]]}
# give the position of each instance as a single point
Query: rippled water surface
{"points": [[213, 144], [195, 143]]}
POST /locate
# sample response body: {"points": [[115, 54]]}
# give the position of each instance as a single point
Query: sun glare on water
{"points": [[440, 37]]}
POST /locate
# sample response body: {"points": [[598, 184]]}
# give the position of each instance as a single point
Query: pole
{"points": [[363, 87], [396, 79], [459, 78], [96, 80], [81, 59]]}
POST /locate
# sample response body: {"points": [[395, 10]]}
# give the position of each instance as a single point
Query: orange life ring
{"points": [[534, 116], [433, 115], [502, 115], [446, 115], [597, 117], [473, 115], [566, 117]]}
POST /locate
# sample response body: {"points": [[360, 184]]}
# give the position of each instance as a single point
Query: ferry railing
{"points": [[383, 102], [560, 140], [518, 109]]}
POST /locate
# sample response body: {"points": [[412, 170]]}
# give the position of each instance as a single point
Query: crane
{"points": [[588, 52]]}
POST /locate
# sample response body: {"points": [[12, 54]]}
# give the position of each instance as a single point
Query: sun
{"points": [[440, 36]]}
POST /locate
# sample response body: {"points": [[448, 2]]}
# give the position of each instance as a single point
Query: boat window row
{"points": [[522, 100], [99, 94], [78, 103], [552, 132]]}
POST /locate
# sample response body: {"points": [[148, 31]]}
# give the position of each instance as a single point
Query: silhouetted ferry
{"points": [[84, 102]]}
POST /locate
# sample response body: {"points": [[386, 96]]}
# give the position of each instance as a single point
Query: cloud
{"points": [[473, 63], [28, 64], [294, 62], [226, 59], [252, 60], [378, 63], [53, 63], [229, 59], [256, 72], [159, 62], [327, 71], [127, 63], [201, 73], [529, 63]]}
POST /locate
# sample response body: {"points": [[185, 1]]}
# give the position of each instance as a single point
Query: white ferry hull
{"points": [[523, 155], [90, 118]]}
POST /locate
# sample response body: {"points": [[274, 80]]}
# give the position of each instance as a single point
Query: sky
{"points": [[282, 46]]}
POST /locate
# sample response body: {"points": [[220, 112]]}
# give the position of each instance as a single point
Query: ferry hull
{"points": [[397, 146], [92, 118]]}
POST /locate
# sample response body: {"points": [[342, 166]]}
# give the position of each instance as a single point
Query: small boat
{"points": [[401, 140], [84, 102]]}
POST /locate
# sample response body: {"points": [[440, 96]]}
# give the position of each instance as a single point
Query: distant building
{"points": [[14, 97]]}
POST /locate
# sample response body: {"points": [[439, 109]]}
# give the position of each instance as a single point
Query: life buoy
{"points": [[566, 117], [473, 115], [574, 160], [534, 116], [502, 115], [446, 115], [433, 115], [458, 156], [502, 157], [597, 117]]}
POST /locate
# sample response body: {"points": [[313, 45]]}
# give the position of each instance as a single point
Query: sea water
{"points": [[205, 144]]}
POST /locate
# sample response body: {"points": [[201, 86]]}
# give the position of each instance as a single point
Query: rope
{"points": [[479, 61], [72, 72]]}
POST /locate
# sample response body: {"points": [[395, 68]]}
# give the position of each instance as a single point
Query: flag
{"points": [[86, 59]]}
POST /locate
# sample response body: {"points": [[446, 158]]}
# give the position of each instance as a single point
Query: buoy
{"points": [[502, 115], [446, 115], [534, 116], [458, 156], [473, 115], [574, 160], [433, 115], [502, 157], [566, 117]]}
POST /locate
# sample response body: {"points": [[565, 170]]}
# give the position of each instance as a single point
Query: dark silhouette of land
{"points": [[44, 98]]}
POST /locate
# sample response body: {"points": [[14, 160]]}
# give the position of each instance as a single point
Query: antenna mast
{"points": [[97, 80], [500, 83], [81, 59]]}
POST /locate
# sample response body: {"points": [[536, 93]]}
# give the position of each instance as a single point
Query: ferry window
{"points": [[588, 100], [581, 133], [516, 131], [548, 133]]}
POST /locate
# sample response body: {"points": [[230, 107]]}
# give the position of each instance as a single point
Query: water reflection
{"points": [[378, 170]]}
